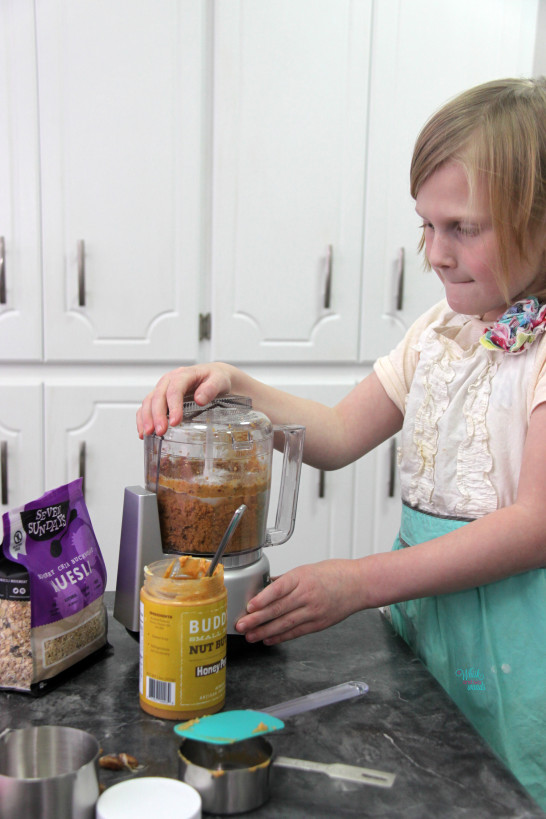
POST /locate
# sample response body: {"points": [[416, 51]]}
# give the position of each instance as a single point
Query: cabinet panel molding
{"points": [[21, 305], [324, 518], [289, 132], [21, 431], [100, 416], [122, 139]]}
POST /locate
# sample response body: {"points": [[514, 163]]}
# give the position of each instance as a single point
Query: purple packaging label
{"points": [[44, 524], [54, 539]]}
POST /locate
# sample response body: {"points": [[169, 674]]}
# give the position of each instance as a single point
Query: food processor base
{"points": [[140, 544], [242, 583]]}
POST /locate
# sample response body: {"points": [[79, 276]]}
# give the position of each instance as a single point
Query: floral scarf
{"points": [[522, 323]]}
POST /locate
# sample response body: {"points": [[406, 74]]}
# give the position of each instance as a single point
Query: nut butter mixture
{"points": [[196, 508]]}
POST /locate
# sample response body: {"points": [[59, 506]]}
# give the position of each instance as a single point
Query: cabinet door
{"points": [[20, 271], [377, 480], [91, 432], [21, 445], [424, 53], [324, 518], [290, 111], [122, 136]]}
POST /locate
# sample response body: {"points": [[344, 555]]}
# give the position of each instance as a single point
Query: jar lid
{"points": [[156, 796]]}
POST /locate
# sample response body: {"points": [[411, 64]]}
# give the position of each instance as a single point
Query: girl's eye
{"points": [[468, 230], [425, 225]]}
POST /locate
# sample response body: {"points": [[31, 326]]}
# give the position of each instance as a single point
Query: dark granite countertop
{"points": [[405, 725]]}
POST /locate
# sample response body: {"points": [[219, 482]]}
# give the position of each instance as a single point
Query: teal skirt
{"points": [[487, 647]]}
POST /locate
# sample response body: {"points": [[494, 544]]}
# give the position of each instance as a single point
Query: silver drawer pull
{"points": [[4, 471], [2, 270], [82, 465], [322, 484], [328, 282], [81, 273], [400, 271], [392, 467]]}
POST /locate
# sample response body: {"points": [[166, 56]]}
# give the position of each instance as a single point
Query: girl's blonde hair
{"points": [[498, 132]]}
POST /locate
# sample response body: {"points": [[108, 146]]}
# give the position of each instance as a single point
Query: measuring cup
{"points": [[236, 778]]}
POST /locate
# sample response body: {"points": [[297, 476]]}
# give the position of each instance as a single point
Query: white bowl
{"points": [[154, 796]]}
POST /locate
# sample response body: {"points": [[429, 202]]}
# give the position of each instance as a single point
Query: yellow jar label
{"points": [[183, 655]]}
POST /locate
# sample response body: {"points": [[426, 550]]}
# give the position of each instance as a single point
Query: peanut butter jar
{"points": [[183, 636]]}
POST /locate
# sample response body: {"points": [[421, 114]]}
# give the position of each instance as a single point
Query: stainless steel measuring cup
{"points": [[48, 770], [236, 778]]}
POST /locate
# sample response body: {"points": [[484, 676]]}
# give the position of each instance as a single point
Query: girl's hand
{"points": [[303, 600], [205, 381]]}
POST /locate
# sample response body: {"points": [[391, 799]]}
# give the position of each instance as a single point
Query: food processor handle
{"points": [[290, 480]]}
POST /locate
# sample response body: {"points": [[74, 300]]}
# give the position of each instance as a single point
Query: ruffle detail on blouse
{"points": [[522, 323], [438, 374], [474, 460]]}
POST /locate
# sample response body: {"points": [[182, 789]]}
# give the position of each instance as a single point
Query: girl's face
{"points": [[461, 246]]}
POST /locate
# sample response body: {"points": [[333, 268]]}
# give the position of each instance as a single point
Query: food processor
{"points": [[196, 477]]}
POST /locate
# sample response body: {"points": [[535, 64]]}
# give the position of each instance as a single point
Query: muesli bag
{"points": [[52, 583]]}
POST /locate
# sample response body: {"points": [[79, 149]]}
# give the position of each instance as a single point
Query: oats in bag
{"points": [[52, 582]]}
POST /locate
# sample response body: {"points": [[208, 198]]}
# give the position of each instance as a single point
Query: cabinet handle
{"points": [[82, 465], [2, 270], [400, 271], [322, 484], [4, 471], [328, 282], [81, 273], [392, 467]]}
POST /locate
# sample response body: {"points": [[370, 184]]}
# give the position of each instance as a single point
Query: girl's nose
{"points": [[440, 251]]}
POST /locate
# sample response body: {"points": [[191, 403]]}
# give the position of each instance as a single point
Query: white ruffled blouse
{"points": [[466, 411]]}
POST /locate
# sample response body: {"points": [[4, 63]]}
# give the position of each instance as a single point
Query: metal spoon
{"points": [[173, 570], [228, 534]]}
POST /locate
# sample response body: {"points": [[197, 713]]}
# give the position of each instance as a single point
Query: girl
{"points": [[465, 581]]}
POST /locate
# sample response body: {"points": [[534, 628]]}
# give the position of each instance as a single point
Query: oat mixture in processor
{"points": [[201, 471]]}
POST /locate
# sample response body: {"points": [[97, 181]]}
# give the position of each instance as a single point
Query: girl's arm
{"points": [[506, 542], [334, 436]]}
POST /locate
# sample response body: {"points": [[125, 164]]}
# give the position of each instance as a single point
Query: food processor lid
{"points": [[228, 418], [239, 403]]}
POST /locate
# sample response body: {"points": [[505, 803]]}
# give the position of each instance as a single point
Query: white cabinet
{"points": [[424, 53], [20, 262], [289, 145], [21, 443], [90, 432], [347, 513], [122, 133], [377, 486], [316, 108], [324, 520]]}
